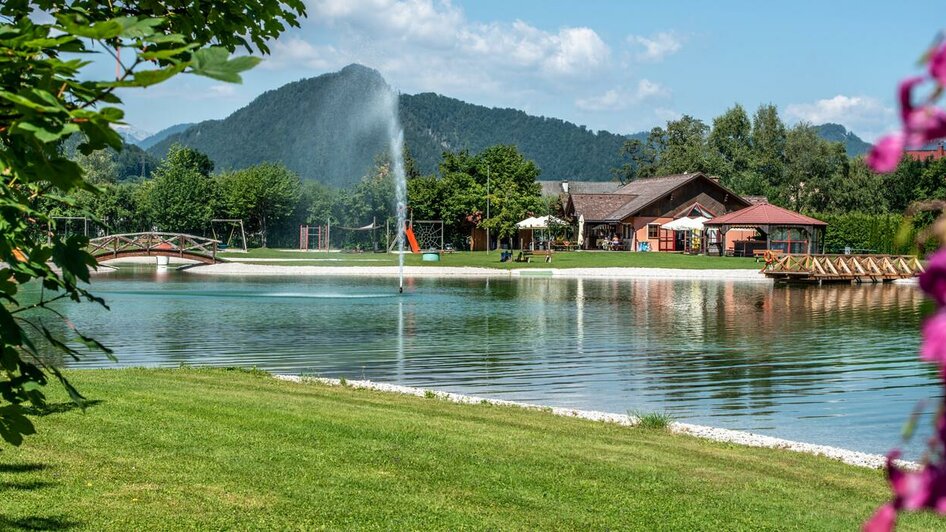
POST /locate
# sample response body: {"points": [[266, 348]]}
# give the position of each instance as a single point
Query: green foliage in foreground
{"points": [[216, 449], [481, 259]]}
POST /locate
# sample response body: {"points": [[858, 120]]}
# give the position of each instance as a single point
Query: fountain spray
{"points": [[396, 147]]}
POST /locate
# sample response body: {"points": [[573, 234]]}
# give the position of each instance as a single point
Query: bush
{"points": [[877, 233]]}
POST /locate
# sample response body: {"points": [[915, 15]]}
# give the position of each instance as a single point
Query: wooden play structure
{"points": [[840, 268]]}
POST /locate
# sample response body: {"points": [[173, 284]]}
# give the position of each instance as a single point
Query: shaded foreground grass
{"points": [[481, 259], [218, 449]]}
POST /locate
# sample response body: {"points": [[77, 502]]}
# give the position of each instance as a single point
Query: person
{"points": [[615, 241]]}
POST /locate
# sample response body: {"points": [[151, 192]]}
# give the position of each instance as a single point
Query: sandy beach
{"points": [[242, 269]]}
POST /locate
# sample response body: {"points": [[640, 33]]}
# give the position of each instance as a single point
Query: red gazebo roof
{"points": [[764, 214]]}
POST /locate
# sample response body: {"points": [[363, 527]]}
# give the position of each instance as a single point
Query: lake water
{"points": [[835, 365]]}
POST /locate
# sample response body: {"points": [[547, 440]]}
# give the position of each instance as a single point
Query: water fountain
{"points": [[396, 148]]}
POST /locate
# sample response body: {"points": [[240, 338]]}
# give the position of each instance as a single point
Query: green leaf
{"points": [[14, 424], [147, 78], [44, 133], [106, 29], [30, 103], [215, 63], [139, 28]]}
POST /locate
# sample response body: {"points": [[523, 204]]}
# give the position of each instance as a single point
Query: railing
{"points": [[155, 243], [841, 267]]}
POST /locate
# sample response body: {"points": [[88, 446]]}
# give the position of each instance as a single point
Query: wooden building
{"points": [[634, 213]]}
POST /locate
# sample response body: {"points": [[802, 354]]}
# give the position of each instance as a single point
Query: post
{"points": [[487, 208], [328, 234]]}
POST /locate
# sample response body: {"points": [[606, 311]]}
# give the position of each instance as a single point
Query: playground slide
{"points": [[411, 240]]}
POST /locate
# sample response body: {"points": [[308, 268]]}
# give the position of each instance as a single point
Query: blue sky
{"points": [[621, 66]]}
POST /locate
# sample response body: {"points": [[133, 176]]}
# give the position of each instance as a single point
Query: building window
{"points": [[653, 231]]}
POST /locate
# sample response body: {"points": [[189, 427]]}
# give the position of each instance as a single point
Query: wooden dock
{"points": [[841, 268]]}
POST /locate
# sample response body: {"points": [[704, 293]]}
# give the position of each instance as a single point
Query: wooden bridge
{"points": [[841, 268], [153, 244]]}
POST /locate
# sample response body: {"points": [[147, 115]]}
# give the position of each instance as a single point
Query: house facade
{"points": [[633, 213]]}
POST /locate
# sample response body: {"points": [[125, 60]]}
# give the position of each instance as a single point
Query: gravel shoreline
{"points": [[236, 268], [855, 458]]}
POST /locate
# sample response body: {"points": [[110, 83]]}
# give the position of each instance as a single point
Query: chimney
{"points": [[714, 178], [565, 186]]}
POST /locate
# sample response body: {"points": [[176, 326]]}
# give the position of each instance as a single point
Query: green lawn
{"points": [[218, 449], [586, 259]]}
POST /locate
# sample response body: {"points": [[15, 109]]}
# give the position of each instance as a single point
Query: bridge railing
{"points": [[151, 242], [844, 266]]}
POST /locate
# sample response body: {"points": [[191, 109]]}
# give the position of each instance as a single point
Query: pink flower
{"points": [[925, 124], [933, 280], [883, 520], [934, 341], [885, 155], [937, 64]]}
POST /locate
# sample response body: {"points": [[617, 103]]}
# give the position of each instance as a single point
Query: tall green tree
{"points": [[768, 144], [48, 93], [685, 149], [640, 157], [182, 196], [730, 142], [263, 196]]}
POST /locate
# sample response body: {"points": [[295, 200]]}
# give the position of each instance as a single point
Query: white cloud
{"points": [[222, 89], [434, 42], [666, 115], [868, 116], [617, 99], [657, 46]]}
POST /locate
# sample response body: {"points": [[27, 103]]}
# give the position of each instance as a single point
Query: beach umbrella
{"points": [[685, 224], [581, 230]]}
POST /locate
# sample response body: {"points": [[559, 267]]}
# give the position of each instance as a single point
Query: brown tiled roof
{"points": [[755, 200], [649, 190], [764, 214], [554, 188], [598, 207]]}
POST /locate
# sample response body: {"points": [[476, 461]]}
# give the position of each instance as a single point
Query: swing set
{"points": [[232, 236]]}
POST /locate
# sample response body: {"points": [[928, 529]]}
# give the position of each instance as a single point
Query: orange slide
{"points": [[411, 240]]}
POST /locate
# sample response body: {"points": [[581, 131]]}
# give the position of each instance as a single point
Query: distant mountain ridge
{"points": [[151, 140], [853, 144], [330, 128]]}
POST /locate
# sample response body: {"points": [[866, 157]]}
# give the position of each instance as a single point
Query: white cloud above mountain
{"points": [[619, 99], [410, 40], [866, 116]]}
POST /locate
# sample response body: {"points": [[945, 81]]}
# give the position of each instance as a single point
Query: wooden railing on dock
{"points": [[841, 268], [179, 245]]}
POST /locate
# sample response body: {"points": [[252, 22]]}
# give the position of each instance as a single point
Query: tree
{"points": [[181, 197], [640, 158], [768, 144], [512, 188], [730, 141], [685, 149], [263, 195], [47, 95]]}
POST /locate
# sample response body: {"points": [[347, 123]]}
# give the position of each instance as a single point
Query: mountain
{"points": [[838, 133], [131, 134], [562, 150], [151, 140], [332, 127]]}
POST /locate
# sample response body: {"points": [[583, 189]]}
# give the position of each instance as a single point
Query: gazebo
{"points": [[784, 231]]}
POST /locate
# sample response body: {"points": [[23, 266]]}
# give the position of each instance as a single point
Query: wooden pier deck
{"points": [[841, 268]]}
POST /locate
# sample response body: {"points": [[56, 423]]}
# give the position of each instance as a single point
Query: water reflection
{"points": [[833, 364]]}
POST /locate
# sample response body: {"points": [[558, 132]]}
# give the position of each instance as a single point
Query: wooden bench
{"points": [[526, 255]]}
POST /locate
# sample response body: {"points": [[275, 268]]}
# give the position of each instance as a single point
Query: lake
{"points": [[835, 365]]}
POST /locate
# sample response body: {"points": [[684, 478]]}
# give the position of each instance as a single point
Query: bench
{"points": [[526, 255]]}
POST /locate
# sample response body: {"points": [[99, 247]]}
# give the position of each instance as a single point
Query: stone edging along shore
{"points": [[855, 458]]}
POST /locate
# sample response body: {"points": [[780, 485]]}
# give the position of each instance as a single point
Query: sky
{"points": [[621, 66]]}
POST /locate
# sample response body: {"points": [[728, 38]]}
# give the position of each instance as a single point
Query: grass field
{"points": [[586, 259], [219, 449]]}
